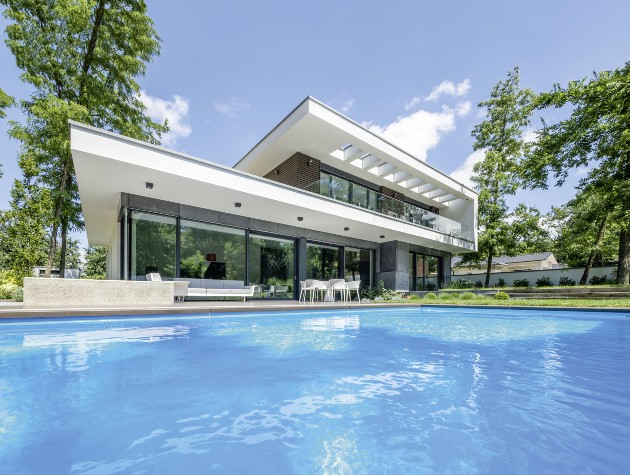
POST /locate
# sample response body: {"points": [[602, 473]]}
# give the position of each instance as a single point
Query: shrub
{"points": [[431, 286], [598, 280], [501, 296], [6, 290], [379, 292], [565, 281], [467, 296], [430, 296], [521, 283], [17, 294], [460, 284], [501, 282], [448, 295], [479, 284], [544, 282]]}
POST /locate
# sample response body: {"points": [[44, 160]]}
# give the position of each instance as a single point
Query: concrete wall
{"points": [[95, 293], [554, 274]]}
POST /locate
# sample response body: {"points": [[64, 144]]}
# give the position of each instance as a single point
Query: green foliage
{"points": [[379, 292], [501, 296], [467, 296], [566, 282], [595, 280], [95, 266], [460, 284], [479, 285], [500, 136], [520, 283], [81, 57], [23, 238], [501, 283], [544, 282], [595, 135], [17, 294], [6, 290], [448, 295], [430, 296]]}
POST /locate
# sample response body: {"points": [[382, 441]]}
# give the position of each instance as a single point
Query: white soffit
{"points": [[322, 133], [108, 164]]}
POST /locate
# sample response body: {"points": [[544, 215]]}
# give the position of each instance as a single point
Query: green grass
{"points": [[449, 299]]}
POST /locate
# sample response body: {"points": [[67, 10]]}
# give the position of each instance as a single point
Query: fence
{"points": [[610, 272]]}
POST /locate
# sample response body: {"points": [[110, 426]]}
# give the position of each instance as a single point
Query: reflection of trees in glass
{"points": [[322, 262], [358, 264], [200, 239], [153, 245], [272, 263]]}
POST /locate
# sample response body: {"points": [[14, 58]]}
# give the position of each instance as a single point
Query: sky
{"points": [[410, 70]]}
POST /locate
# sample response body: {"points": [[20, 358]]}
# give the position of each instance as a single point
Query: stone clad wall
{"points": [[39, 292]]}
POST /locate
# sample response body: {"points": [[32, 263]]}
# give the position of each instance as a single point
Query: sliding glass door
{"points": [[272, 266], [359, 265], [322, 261]]}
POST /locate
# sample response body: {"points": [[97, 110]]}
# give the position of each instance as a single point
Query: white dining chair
{"points": [[353, 285]]}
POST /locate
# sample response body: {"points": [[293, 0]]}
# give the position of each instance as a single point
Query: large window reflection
{"points": [[153, 243], [271, 266], [424, 272], [359, 266], [209, 251], [322, 262]]}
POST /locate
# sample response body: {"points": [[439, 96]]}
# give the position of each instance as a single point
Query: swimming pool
{"points": [[374, 391]]}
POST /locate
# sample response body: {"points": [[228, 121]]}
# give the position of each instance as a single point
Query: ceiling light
{"points": [[346, 228], [237, 205], [382, 236], [277, 171], [300, 218], [149, 185]]}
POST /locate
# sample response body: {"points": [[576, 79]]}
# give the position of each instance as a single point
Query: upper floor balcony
{"points": [[355, 194]]}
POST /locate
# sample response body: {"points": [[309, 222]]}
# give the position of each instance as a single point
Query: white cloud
{"points": [[422, 130], [232, 108], [174, 111], [463, 173], [449, 88], [412, 103], [346, 106]]}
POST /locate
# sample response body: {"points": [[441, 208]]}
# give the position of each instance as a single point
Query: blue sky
{"points": [[413, 71]]}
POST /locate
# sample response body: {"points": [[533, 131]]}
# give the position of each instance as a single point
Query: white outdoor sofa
{"points": [[217, 288], [207, 287]]}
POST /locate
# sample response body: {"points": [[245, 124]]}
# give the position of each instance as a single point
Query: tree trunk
{"points": [[64, 240], [623, 269], [52, 250], [591, 257], [489, 266]]}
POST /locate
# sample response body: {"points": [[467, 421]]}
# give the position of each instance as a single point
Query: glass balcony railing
{"points": [[352, 193]]}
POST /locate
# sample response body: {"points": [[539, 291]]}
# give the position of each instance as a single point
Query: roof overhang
{"points": [[316, 130], [108, 164]]}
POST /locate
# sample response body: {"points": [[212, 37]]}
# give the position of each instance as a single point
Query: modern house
{"points": [[536, 261], [318, 197]]}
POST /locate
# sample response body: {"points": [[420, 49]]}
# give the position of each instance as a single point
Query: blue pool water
{"points": [[381, 391]]}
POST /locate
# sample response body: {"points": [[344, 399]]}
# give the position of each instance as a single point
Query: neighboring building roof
{"points": [[499, 260]]}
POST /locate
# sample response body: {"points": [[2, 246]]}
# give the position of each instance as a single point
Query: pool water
{"points": [[374, 391]]}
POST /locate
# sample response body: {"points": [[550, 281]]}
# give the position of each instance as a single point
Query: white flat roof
{"points": [[108, 164], [316, 130]]}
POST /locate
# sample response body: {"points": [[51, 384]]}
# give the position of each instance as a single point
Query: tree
{"points": [[5, 101], [586, 230], [82, 58], [596, 135], [500, 136], [95, 263], [526, 233], [22, 227]]}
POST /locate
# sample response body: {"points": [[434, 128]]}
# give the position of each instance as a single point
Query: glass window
{"points": [[153, 242], [340, 189], [272, 266], [359, 195], [324, 184], [424, 272], [322, 262], [209, 251], [359, 266]]}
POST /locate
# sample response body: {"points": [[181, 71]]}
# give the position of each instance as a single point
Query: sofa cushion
{"points": [[233, 284]]}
